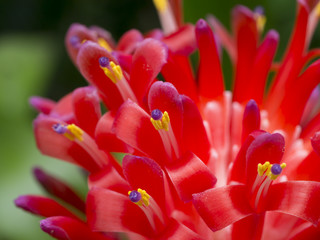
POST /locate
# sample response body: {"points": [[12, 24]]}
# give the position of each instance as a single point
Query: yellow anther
{"points": [[260, 21], [266, 169], [74, 132], [144, 201], [317, 9], [263, 167], [161, 5], [163, 123], [83, 41], [114, 73], [103, 43]]}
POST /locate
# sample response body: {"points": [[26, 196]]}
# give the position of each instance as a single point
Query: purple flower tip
{"points": [[156, 114], [259, 10], [58, 128], [48, 226], [39, 174], [134, 196], [276, 169], [104, 62], [23, 202], [74, 40], [201, 24]]}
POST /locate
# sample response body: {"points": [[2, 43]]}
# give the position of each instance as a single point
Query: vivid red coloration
{"points": [[200, 162]]}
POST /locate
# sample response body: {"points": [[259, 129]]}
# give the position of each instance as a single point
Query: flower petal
{"points": [[265, 147], [65, 228], [86, 107], [210, 76], [165, 97], [236, 172], [129, 41], [109, 211], [261, 68], [132, 125], [144, 173], [58, 188], [106, 139], [42, 105], [291, 64], [298, 94], [246, 37], [88, 61], [183, 41], [251, 119], [190, 175], [220, 207], [42, 206], [176, 230], [178, 71], [147, 63], [55, 145], [77, 33], [297, 198], [194, 135]]}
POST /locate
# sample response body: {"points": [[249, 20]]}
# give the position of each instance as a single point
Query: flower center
{"points": [[161, 122], [149, 206], [266, 174], [70, 131], [115, 74]]}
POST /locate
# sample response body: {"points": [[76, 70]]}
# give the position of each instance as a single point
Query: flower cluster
{"points": [[200, 162]]}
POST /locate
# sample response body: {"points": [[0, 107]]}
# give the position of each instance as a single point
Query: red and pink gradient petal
{"points": [[58, 188], [297, 198], [147, 63], [220, 207], [132, 125], [86, 107], [42, 206], [190, 175], [129, 41], [210, 77], [65, 228], [88, 61], [109, 211], [144, 173]]}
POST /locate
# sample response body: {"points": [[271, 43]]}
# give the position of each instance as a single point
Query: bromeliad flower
{"points": [[200, 162]]}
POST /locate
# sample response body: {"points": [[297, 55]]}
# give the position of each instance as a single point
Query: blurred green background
{"points": [[33, 61]]}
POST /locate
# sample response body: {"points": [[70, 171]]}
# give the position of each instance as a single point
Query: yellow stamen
{"points": [[263, 168], [317, 9], [266, 169], [260, 21], [74, 133], [144, 198], [103, 43], [161, 5], [163, 123], [114, 73], [83, 41]]}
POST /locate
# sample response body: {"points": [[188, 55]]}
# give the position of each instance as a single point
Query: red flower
{"points": [[201, 162]]}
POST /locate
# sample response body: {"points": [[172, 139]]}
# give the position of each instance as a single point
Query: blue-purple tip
{"points": [[156, 114], [74, 40], [104, 62], [259, 10], [276, 169], [58, 128], [134, 196]]}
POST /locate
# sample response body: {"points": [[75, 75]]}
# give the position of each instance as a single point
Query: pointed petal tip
{"points": [[201, 24], [21, 202], [49, 227]]}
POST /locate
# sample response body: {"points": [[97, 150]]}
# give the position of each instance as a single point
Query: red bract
{"points": [[200, 162]]}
